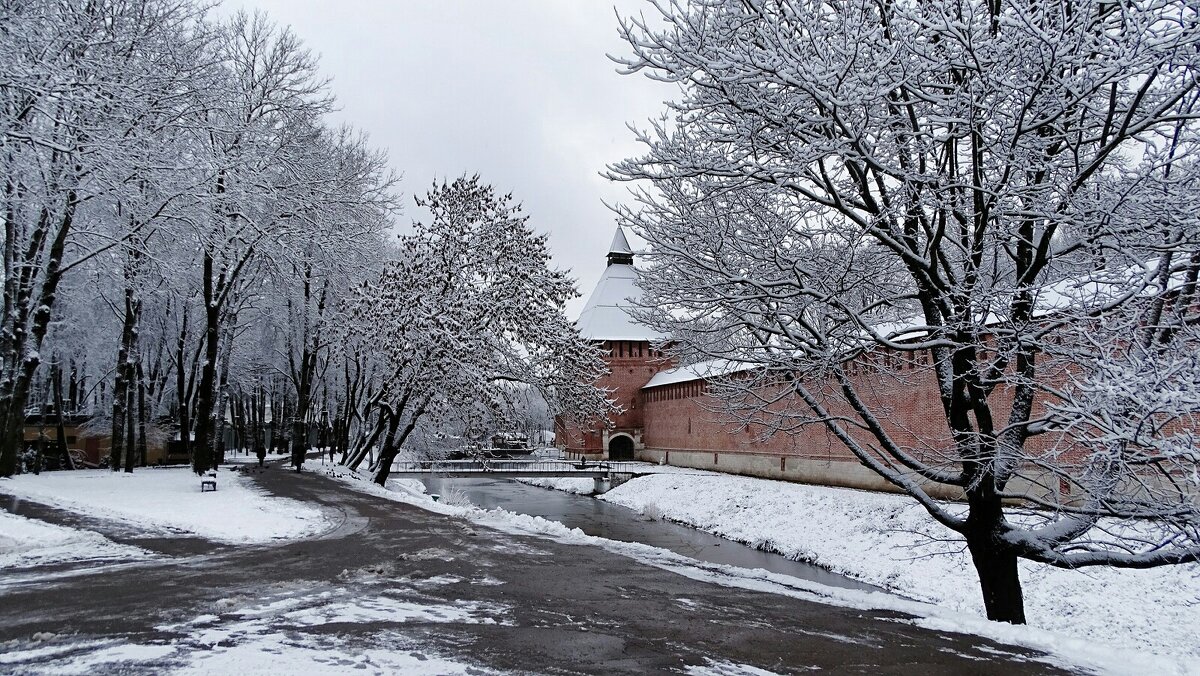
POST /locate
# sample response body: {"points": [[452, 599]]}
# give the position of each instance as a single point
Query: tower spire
{"points": [[619, 252]]}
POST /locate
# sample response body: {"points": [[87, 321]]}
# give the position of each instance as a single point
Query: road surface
{"points": [[396, 580]]}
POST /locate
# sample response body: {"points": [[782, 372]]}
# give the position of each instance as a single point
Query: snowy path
{"points": [[396, 589]]}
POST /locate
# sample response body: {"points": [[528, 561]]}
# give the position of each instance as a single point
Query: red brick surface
{"points": [[903, 395], [685, 416], [631, 365]]}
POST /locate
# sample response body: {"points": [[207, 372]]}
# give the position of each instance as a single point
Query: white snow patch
{"points": [[169, 499], [109, 659], [565, 484], [724, 668], [385, 609], [25, 543], [319, 655], [18, 656], [84, 658], [270, 637]]}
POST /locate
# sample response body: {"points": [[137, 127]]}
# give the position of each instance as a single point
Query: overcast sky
{"points": [[520, 91]]}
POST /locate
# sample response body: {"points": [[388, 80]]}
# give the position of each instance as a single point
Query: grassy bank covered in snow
{"points": [[888, 540], [169, 501]]}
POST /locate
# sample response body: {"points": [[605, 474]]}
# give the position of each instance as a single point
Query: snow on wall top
{"points": [[606, 315], [1087, 291], [698, 371]]}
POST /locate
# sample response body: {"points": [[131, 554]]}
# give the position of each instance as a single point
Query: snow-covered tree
{"points": [[471, 308], [1001, 195], [176, 177], [89, 90]]}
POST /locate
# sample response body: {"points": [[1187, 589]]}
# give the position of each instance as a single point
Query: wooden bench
{"points": [[208, 482]]}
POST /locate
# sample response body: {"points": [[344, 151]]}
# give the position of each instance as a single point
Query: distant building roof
{"points": [[606, 316]]}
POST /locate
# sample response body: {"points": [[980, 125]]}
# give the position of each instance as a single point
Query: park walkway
{"points": [[392, 576]]}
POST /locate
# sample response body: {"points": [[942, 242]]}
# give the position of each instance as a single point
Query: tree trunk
{"points": [[365, 444], [270, 439], [285, 409], [299, 439], [202, 452], [388, 453], [63, 451], [143, 414], [236, 426], [299, 422], [73, 393], [255, 432], [996, 564], [121, 385], [223, 398], [181, 387], [24, 325], [131, 430], [41, 445]]}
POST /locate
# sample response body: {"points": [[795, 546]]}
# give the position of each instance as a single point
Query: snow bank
{"points": [[888, 540], [169, 500], [587, 486], [25, 543], [567, 485]]}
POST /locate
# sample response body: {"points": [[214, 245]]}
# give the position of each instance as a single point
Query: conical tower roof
{"points": [[620, 245], [606, 316]]}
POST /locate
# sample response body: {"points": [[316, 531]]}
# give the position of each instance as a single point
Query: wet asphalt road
{"points": [[558, 608]]}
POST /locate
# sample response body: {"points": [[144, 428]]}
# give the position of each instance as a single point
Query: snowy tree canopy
{"points": [[195, 257], [1000, 194], [471, 308]]}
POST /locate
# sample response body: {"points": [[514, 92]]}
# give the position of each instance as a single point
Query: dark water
{"points": [[606, 520]]}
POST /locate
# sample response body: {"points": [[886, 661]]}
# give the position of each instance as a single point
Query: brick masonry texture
{"points": [[687, 417]]}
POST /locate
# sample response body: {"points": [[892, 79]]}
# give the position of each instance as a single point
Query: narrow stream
{"points": [[606, 520]]}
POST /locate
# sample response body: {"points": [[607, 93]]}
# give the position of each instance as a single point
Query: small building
{"points": [[43, 429], [88, 447]]}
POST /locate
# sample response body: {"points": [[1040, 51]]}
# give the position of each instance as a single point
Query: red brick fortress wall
{"points": [[685, 424]]}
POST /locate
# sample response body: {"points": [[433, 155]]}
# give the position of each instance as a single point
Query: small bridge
{"points": [[605, 474]]}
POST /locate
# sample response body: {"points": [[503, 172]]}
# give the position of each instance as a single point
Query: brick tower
{"points": [[631, 359]]}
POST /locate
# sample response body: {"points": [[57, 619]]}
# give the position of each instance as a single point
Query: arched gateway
{"points": [[620, 447]]}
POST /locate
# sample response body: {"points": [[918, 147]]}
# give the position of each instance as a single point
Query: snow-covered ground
{"points": [[1112, 621], [169, 500], [26, 543], [888, 540]]}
